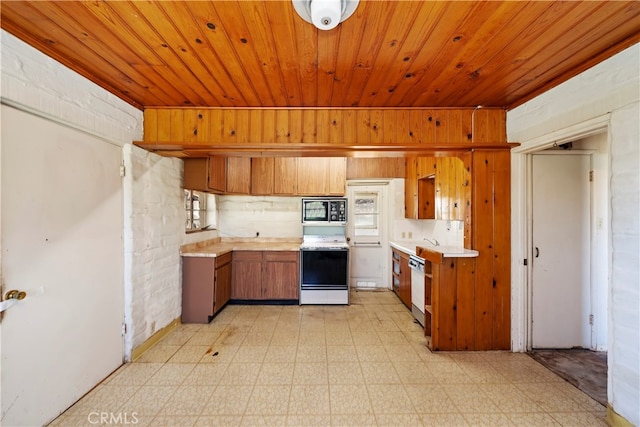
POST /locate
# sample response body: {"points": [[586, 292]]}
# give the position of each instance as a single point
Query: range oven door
{"points": [[323, 268]]}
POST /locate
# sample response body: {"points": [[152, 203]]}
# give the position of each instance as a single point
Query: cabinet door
{"points": [[196, 174], [222, 281], [405, 280], [238, 175], [262, 175], [450, 191], [411, 189], [217, 174], [313, 173], [280, 280], [197, 289], [285, 176], [337, 176], [247, 275]]}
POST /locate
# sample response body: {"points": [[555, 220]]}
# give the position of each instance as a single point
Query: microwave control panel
{"points": [[338, 210]]}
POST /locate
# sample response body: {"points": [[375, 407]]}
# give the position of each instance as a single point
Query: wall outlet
{"points": [[410, 235], [404, 235]]}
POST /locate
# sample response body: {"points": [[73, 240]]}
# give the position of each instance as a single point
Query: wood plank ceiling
{"points": [[390, 54]]}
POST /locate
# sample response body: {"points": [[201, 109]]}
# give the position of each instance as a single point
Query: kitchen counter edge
{"points": [[218, 247], [409, 247]]}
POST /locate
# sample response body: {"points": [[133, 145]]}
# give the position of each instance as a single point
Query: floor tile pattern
{"points": [[365, 364]]}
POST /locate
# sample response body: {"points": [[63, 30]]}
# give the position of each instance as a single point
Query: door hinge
{"points": [[122, 171], [590, 176], [591, 319], [124, 329], [525, 262]]}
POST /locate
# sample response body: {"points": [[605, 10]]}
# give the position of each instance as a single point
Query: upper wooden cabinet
{"points": [[436, 188], [218, 174], [290, 176]]}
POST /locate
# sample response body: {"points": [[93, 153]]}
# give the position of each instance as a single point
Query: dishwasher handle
{"points": [[416, 263]]}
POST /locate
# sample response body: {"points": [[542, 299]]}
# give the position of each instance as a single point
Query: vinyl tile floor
{"points": [[365, 364]]}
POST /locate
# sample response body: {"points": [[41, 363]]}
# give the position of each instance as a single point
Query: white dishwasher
{"points": [[417, 287]]}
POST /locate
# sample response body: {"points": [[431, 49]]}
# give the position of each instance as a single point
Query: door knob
{"points": [[15, 294]]}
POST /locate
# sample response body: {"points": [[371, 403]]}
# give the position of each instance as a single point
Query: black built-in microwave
{"points": [[324, 210]]}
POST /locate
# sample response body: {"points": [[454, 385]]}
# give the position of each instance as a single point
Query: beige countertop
{"points": [[221, 246], [409, 247]]}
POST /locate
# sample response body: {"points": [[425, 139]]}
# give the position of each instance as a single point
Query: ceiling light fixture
{"points": [[325, 14]]}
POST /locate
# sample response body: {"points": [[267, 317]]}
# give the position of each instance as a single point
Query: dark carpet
{"points": [[585, 369]]}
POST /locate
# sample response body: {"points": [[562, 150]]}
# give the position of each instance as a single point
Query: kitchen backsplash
{"points": [[259, 216], [447, 233]]}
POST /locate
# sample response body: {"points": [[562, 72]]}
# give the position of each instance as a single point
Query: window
{"points": [[366, 216], [195, 203]]}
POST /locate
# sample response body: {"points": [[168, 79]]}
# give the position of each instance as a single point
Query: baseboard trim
{"points": [[616, 420], [153, 339]]}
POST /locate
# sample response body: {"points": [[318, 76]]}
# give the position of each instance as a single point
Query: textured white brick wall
{"points": [[610, 87]]}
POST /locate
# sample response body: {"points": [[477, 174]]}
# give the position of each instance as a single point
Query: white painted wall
{"points": [[447, 233], [268, 216], [609, 93], [153, 206]]}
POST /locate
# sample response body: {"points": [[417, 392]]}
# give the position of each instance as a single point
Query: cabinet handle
{"points": [[537, 252]]}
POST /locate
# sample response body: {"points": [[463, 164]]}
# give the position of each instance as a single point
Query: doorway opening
{"points": [[568, 247]]}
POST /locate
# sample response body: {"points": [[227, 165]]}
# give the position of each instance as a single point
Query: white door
{"points": [[561, 302], [367, 236], [62, 243]]}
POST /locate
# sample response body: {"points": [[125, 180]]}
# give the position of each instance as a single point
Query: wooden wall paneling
{"points": [[238, 175], [467, 198], [309, 126], [482, 220], [177, 125], [501, 329], [216, 126], [202, 126], [256, 126], [282, 126], [164, 125], [416, 126], [229, 135], [456, 127], [349, 127], [389, 125], [268, 126], [404, 127], [479, 119], [375, 167], [295, 126], [465, 299], [285, 176], [242, 126], [496, 125], [262, 175], [376, 126], [441, 123], [336, 127], [323, 126], [190, 126], [429, 126], [150, 125], [363, 127]]}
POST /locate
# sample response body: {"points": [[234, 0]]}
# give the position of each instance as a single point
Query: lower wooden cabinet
{"points": [[206, 287], [449, 302], [401, 276], [265, 275]]}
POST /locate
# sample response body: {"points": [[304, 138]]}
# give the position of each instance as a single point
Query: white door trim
{"points": [[521, 210]]}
